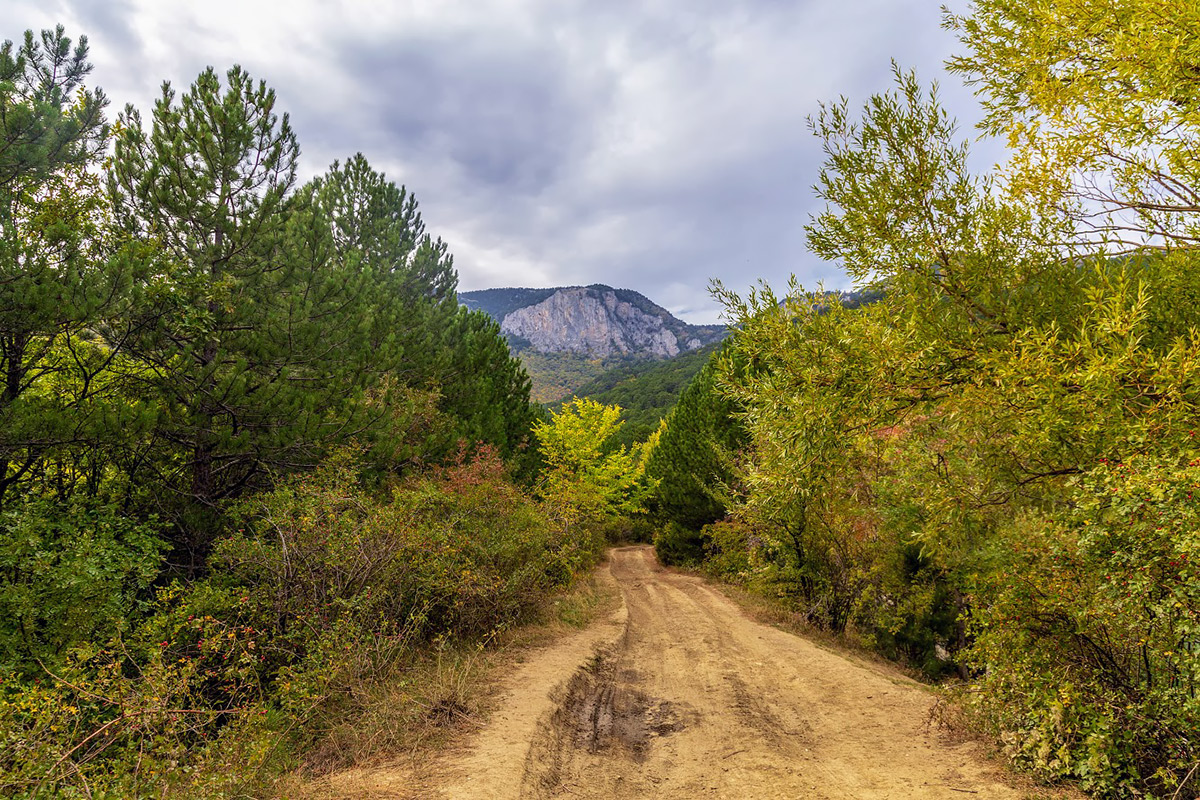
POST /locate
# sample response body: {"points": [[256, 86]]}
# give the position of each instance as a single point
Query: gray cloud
{"points": [[649, 145], [510, 120]]}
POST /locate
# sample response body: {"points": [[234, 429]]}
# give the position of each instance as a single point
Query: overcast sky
{"points": [[649, 145]]}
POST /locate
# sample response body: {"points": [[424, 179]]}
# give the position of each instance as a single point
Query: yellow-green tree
{"points": [[583, 480], [1100, 104], [1001, 451]]}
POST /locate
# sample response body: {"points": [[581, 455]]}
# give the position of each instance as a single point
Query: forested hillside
{"points": [[556, 376], [646, 391], [497, 303]]}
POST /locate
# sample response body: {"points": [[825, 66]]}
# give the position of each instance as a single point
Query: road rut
{"points": [[681, 695]]}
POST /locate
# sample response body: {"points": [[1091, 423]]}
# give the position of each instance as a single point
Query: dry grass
{"points": [[422, 702], [433, 697]]}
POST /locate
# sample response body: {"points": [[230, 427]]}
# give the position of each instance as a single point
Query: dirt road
{"points": [[680, 695]]}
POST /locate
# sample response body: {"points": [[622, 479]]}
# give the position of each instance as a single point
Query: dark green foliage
{"points": [[69, 575], [727, 549], [499, 303], [180, 347], [627, 529], [48, 120], [236, 345], [395, 280], [406, 303], [61, 279], [644, 382], [646, 391], [923, 626], [693, 460], [486, 389], [677, 545], [376, 223], [280, 324]]}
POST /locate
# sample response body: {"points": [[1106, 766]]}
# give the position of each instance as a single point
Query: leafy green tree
{"points": [[1089, 636], [582, 481], [377, 222], [646, 390], [278, 320], [1099, 104], [945, 449], [369, 230], [806, 394]]}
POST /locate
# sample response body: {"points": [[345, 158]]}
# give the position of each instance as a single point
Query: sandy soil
{"points": [[681, 695]]}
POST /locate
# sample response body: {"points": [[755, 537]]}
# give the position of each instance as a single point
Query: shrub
{"points": [[674, 544], [626, 529], [1089, 634], [325, 593], [107, 724], [727, 550], [69, 574]]}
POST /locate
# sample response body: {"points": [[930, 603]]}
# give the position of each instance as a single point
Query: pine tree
{"points": [[375, 236], [692, 461], [248, 346], [60, 277], [487, 389], [418, 333]]}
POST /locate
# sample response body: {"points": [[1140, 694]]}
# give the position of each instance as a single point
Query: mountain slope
{"points": [[569, 335], [497, 303], [645, 390], [598, 321]]}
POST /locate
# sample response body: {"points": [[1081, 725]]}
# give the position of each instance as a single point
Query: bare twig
{"points": [[1185, 780]]}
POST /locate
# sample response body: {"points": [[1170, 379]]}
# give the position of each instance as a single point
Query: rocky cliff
{"points": [[592, 322], [596, 321]]}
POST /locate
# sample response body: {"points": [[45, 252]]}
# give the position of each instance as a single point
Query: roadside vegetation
{"points": [[989, 471], [263, 483]]}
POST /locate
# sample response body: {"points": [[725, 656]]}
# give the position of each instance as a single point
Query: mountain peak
{"points": [[595, 320]]}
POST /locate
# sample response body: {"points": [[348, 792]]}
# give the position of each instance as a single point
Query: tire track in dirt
{"points": [[682, 696], [696, 700]]}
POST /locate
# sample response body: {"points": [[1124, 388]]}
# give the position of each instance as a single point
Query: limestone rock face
{"points": [[591, 321]]}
